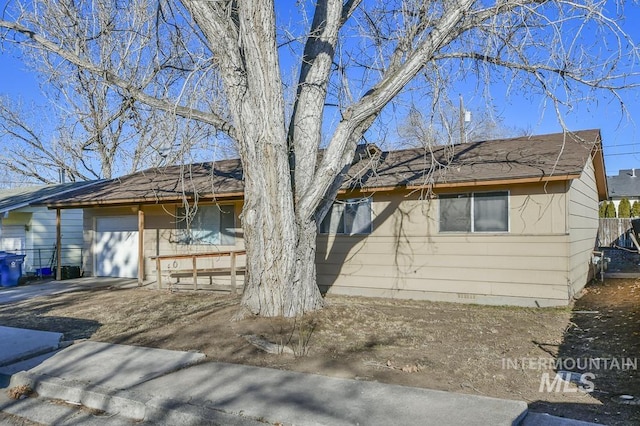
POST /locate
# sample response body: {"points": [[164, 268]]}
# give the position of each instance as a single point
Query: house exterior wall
{"points": [[406, 256], [583, 229], [40, 235], [539, 262], [160, 239]]}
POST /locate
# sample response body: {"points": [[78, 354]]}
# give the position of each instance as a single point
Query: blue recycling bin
{"points": [[10, 268]]}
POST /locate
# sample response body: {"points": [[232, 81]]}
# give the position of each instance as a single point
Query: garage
{"points": [[115, 247]]}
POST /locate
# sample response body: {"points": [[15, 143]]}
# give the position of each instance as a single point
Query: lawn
{"points": [[503, 352]]}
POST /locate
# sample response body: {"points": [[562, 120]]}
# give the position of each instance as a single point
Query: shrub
{"points": [[602, 208], [624, 208]]}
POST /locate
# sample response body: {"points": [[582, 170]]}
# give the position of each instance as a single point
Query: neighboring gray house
{"points": [[29, 229], [625, 185]]}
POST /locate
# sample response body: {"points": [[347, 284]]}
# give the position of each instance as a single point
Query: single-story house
{"points": [[625, 185], [510, 221], [30, 229]]}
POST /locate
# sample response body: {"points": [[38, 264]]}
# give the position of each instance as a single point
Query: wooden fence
{"points": [[615, 232]]}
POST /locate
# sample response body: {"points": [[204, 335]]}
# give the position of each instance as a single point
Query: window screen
{"points": [[455, 213], [348, 217], [490, 212], [212, 225], [475, 212]]}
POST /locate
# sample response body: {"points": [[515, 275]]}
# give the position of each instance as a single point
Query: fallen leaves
{"points": [[20, 392]]}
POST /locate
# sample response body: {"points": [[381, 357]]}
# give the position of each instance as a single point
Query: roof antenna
{"points": [[465, 117]]}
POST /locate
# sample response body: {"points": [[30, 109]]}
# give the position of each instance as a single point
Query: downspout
{"points": [[58, 245], [140, 246]]}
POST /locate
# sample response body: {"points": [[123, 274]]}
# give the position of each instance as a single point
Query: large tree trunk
{"points": [[281, 275], [279, 280]]}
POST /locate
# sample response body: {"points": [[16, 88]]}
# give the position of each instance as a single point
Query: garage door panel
{"points": [[116, 247]]}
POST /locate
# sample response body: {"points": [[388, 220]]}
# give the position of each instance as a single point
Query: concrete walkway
{"points": [[19, 344], [153, 386]]}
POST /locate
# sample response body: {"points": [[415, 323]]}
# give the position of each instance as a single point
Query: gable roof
{"points": [[559, 156], [16, 198], [626, 184]]}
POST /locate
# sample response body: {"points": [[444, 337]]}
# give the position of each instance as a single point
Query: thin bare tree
{"points": [[450, 125], [352, 58], [90, 129]]}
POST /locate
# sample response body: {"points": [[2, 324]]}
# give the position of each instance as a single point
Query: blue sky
{"points": [[620, 133]]}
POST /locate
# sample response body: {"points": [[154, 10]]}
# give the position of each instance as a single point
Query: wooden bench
{"points": [[194, 272]]}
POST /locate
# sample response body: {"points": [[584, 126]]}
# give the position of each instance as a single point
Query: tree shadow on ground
{"points": [[34, 314], [603, 341]]}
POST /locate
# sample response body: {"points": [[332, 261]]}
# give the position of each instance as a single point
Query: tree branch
{"points": [[110, 77]]}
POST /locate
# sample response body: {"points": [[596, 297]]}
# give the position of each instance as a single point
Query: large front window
{"points": [[348, 217], [475, 212], [213, 225]]}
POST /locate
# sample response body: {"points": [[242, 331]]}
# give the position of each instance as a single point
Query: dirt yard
{"points": [[495, 351]]}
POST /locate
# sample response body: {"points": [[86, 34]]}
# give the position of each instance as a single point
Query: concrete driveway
{"points": [[49, 288]]}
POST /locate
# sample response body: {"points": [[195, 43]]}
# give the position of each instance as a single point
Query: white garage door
{"points": [[116, 247]]}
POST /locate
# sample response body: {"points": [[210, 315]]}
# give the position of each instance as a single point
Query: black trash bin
{"points": [[10, 268], [70, 272]]}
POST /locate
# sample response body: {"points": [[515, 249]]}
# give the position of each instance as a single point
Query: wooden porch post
{"points": [[195, 272], [58, 245], [234, 290], [140, 246]]}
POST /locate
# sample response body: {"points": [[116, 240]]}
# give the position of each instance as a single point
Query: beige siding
{"points": [[548, 244], [583, 230], [160, 239], [406, 256]]}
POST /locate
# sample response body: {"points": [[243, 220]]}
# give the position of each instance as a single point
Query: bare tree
{"points": [[450, 125], [355, 58], [91, 129]]}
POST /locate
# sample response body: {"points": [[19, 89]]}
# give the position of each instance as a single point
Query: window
{"points": [[348, 217], [206, 225], [475, 212]]}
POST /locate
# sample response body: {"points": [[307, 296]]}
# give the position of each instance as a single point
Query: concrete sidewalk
{"points": [[152, 385], [219, 393], [19, 344]]}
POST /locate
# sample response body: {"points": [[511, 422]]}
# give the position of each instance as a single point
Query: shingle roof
{"points": [[15, 198], [626, 184], [553, 156], [534, 157]]}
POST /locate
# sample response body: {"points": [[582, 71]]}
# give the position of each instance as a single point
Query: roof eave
{"points": [[474, 183], [37, 201], [600, 170], [140, 201]]}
